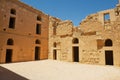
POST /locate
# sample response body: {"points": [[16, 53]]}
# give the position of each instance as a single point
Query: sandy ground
{"points": [[56, 70]]}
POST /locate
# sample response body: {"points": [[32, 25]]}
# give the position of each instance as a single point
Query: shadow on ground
{"points": [[6, 74]]}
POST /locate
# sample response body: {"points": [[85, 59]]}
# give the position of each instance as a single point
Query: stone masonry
{"points": [[95, 41], [23, 32], [27, 34]]}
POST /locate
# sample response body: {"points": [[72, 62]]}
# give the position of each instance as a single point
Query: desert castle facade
{"points": [[27, 34], [23, 32]]}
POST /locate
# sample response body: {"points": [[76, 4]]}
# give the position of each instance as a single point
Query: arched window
{"points": [[10, 42], [55, 44], [13, 11], [108, 42], [39, 18], [75, 41], [37, 42]]}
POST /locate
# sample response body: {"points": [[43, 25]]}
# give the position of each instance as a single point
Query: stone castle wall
{"points": [[92, 34], [39, 36], [24, 34]]}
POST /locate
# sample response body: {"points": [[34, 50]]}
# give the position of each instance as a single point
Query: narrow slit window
{"points": [[54, 30], [38, 29]]}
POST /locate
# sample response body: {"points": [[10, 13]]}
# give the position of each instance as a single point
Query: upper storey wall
{"points": [[91, 24], [59, 27], [101, 20], [64, 27], [25, 18], [111, 15]]}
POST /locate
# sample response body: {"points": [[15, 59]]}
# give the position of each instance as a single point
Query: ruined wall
{"points": [[62, 37], [105, 29], [53, 22], [64, 28], [92, 33], [91, 24]]}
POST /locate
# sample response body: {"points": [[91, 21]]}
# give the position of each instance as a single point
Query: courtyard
{"points": [[58, 70]]}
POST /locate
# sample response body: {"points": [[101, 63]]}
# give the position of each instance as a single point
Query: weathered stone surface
{"points": [[24, 34], [92, 34], [95, 41]]}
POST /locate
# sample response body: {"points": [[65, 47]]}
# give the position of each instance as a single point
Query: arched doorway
{"points": [[55, 45], [109, 57], [37, 53], [9, 53], [55, 54], [76, 54], [108, 53], [75, 49], [37, 49]]}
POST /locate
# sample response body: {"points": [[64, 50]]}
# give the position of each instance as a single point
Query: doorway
{"points": [[55, 54], [37, 53], [76, 54], [109, 57], [9, 55]]}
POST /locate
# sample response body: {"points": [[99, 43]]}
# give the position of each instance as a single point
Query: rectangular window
{"points": [[107, 17], [38, 29], [12, 22]]}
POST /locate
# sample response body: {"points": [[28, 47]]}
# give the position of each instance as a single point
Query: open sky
{"points": [[74, 10]]}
